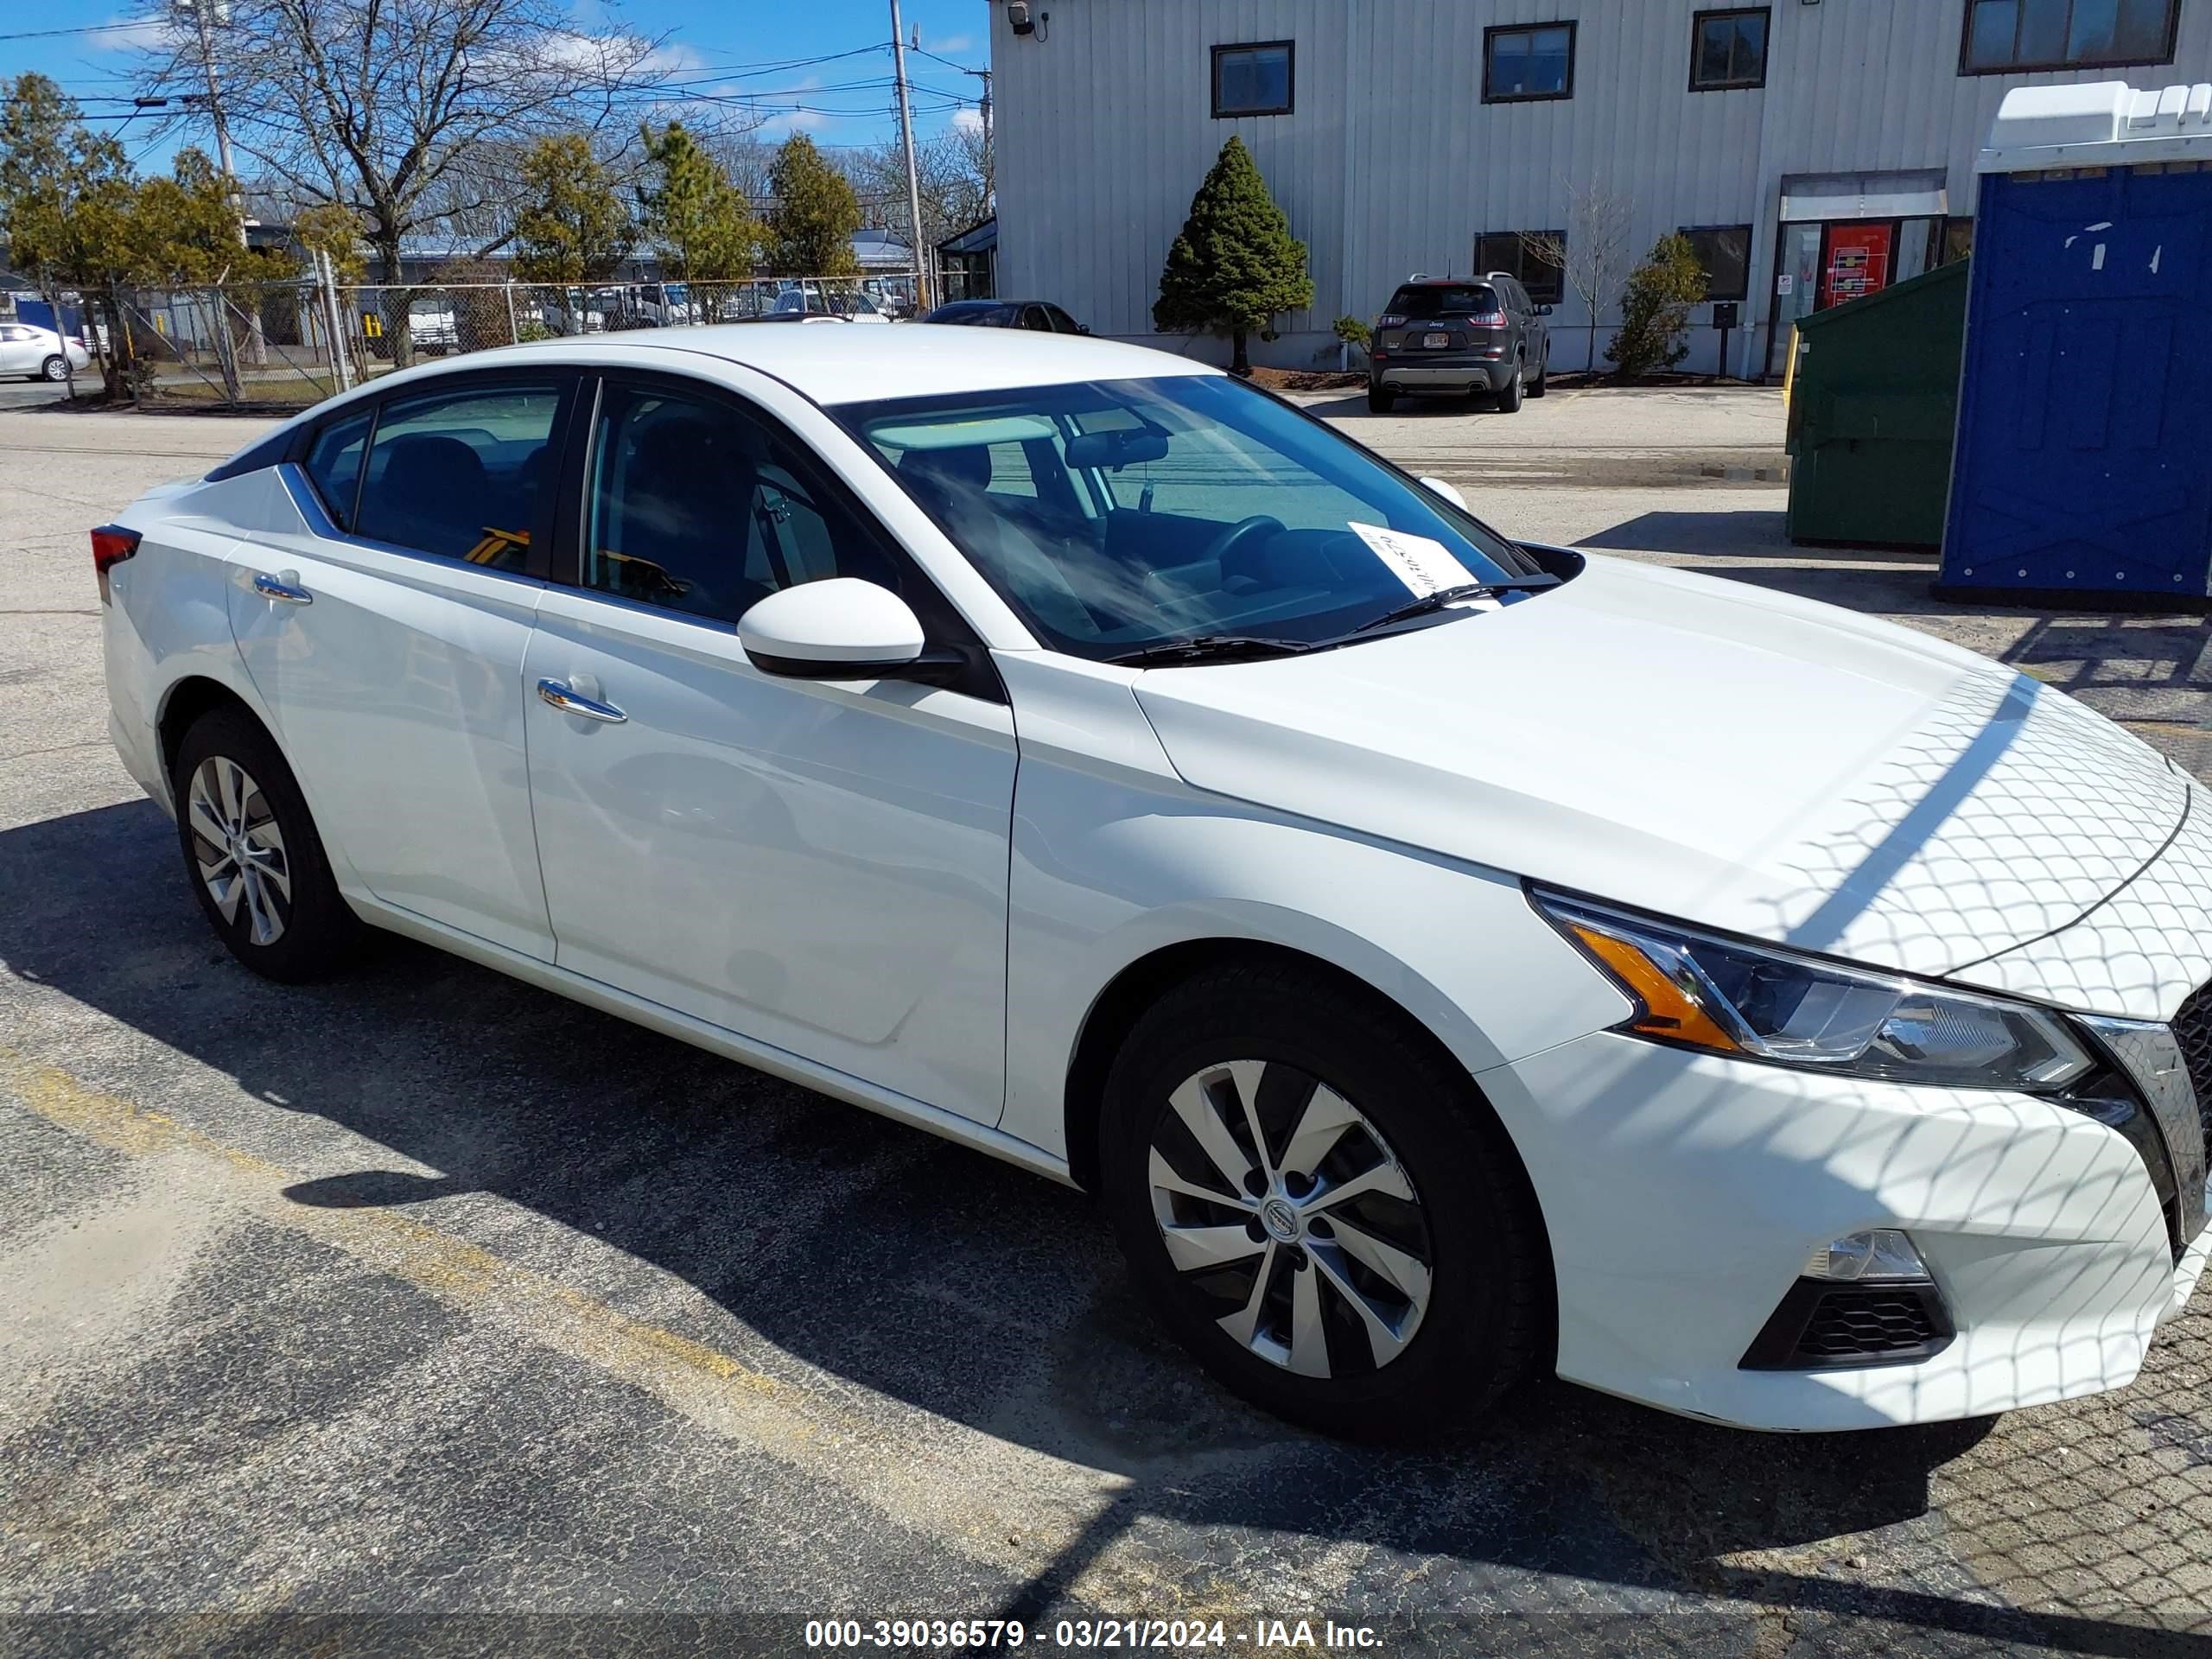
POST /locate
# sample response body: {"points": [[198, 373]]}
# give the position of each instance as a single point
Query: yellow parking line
{"points": [[993, 1502]]}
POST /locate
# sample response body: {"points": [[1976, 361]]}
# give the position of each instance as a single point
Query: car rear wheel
{"points": [[256, 863], [55, 368], [1509, 394], [1322, 1210], [1380, 401]]}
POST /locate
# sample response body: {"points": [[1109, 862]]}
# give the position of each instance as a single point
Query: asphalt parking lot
{"points": [[422, 1313]]}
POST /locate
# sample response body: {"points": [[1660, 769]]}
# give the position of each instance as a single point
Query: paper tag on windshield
{"points": [[1423, 563]]}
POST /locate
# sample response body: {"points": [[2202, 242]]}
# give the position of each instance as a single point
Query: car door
{"points": [[19, 352], [818, 866], [384, 627]]}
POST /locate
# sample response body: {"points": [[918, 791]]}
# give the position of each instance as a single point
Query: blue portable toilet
{"points": [[2083, 461]]}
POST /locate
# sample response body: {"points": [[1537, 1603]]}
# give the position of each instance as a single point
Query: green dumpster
{"points": [[1873, 403]]}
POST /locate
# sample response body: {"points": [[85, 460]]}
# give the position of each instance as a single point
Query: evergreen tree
{"points": [[1656, 309], [572, 227], [814, 216], [700, 223], [1236, 266]]}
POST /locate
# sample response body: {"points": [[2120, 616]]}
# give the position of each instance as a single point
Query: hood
{"points": [[1705, 749]]}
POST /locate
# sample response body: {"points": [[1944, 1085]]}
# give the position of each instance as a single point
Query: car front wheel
{"points": [[1322, 1209], [256, 863], [55, 368], [1380, 401]]}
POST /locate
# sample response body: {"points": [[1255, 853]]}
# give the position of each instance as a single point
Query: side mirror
{"points": [[840, 628], [1438, 486], [1083, 328], [1543, 310]]}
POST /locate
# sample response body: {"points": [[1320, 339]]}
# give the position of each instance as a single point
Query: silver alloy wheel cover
{"points": [[240, 849], [1328, 1159], [55, 369]]}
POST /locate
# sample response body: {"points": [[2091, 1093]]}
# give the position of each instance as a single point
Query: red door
{"points": [[1854, 262]]}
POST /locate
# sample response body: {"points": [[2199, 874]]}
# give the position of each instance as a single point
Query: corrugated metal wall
{"points": [[1391, 162]]}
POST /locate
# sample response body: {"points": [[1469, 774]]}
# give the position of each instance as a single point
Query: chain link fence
{"points": [[285, 345]]}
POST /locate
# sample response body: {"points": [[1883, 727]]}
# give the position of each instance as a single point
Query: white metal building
{"points": [[1819, 147]]}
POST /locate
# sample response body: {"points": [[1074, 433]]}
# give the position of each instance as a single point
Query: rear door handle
{"points": [[558, 695], [285, 585]]}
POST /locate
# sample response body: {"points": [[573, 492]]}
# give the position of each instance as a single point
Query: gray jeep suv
{"points": [[1462, 334]]}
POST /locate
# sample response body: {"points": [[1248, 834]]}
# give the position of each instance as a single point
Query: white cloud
{"points": [[787, 116], [967, 120], [137, 35], [950, 44]]}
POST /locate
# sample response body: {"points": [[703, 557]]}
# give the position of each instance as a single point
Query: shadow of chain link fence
{"points": [[278, 345]]}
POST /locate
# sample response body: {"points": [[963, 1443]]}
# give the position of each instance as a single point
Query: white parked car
{"points": [[1446, 958], [36, 354]]}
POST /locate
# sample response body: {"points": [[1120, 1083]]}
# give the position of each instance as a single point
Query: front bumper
{"points": [[1683, 1191]]}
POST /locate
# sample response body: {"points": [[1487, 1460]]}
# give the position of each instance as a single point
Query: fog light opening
{"points": [[1881, 1256]]}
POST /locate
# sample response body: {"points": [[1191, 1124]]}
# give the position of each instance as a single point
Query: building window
{"points": [[1728, 49], [2009, 36], [1724, 251], [1530, 62], [1958, 239], [1252, 80], [1533, 259]]}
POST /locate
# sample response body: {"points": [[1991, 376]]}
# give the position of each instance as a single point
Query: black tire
{"points": [[1509, 394], [1486, 1318], [1380, 401], [54, 368], [319, 933], [1541, 383]]}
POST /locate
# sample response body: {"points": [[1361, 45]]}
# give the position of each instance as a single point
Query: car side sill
{"points": [[761, 1057]]}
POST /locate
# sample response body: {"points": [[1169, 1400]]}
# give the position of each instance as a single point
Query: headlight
{"points": [[1725, 997]]}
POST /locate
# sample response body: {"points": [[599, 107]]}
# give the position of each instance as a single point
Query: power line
{"points": [[82, 28]]}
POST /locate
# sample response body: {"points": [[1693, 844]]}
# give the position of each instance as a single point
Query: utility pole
{"points": [[990, 170], [205, 26], [913, 179]]}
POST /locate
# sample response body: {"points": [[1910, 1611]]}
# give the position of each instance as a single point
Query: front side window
{"points": [[1117, 516], [458, 473], [334, 464], [1724, 251], [1534, 259], [1728, 49], [696, 507], [1528, 62], [2007, 37], [1252, 80]]}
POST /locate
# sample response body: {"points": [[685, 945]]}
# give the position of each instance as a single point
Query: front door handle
{"points": [[285, 585], [557, 694]]}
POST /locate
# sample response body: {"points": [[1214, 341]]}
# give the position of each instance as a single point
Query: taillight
{"points": [[1393, 321], [1487, 320], [111, 545]]}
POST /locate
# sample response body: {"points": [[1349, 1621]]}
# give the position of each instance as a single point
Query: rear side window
{"points": [[458, 473], [335, 465], [1441, 301]]}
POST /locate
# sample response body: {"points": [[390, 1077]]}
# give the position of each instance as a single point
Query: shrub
{"points": [[1353, 332], [1656, 309]]}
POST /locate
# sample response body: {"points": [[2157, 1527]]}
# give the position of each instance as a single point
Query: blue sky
{"points": [[723, 45]]}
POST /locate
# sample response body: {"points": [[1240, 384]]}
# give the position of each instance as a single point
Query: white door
{"points": [[19, 349], [820, 866], [386, 635]]}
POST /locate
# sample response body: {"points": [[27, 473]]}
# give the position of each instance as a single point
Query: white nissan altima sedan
{"points": [[1446, 958]]}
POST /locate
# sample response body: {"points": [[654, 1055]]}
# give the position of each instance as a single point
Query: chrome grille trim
{"points": [[2153, 1059]]}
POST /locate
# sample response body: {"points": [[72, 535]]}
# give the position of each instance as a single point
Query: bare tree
{"points": [[1593, 256], [953, 191], [411, 112]]}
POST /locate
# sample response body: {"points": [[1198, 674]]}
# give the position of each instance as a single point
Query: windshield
{"points": [[1440, 302], [1122, 515]]}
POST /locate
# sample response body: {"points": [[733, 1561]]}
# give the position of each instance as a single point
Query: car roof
{"points": [[847, 364]]}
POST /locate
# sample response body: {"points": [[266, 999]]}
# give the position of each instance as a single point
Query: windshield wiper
{"points": [[1209, 648], [1443, 596]]}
